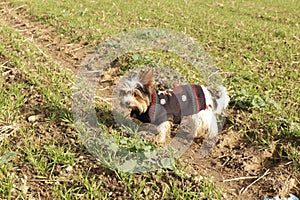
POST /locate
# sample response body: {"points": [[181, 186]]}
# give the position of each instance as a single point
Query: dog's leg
{"points": [[209, 123], [212, 130], [163, 129], [197, 122]]}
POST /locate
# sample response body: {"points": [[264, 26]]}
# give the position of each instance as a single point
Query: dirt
{"points": [[242, 169]]}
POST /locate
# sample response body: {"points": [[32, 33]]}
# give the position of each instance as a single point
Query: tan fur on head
{"points": [[140, 102]]}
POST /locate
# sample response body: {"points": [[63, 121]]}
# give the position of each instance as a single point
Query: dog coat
{"points": [[172, 104]]}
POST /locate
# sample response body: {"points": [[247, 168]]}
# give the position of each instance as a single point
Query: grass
{"points": [[255, 44]]}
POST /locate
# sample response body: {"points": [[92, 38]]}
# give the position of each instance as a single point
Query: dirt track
{"points": [[235, 164]]}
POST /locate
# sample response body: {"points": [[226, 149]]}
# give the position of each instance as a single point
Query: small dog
{"points": [[163, 108]]}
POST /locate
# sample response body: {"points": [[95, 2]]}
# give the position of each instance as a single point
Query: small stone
{"points": [[34, 118], [6, 73], [69, 168]]}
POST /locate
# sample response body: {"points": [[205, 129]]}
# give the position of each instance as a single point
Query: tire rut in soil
{"points": [[65, 53]]}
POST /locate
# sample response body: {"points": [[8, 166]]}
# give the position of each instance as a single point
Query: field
{"points": [[255, 45]]}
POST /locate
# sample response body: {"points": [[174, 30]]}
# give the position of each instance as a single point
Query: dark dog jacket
{"points": [[172, 104]]}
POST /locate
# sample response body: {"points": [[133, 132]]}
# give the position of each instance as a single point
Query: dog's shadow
{"points": [[105, 116]]}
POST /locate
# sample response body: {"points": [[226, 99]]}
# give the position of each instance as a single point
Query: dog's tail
{"points": [[223, 101], [220, 99]]}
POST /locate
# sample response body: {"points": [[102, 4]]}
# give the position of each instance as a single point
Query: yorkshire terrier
{"points": [[162, 108]]}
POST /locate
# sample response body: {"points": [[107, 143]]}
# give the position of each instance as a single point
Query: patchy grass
{"points": [[50, 161], [255, 44]]}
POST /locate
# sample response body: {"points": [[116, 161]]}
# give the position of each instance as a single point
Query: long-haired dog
{"points": [[163, 108]]}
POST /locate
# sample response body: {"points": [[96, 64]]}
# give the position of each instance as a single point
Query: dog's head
{"points": [[135, 91]]}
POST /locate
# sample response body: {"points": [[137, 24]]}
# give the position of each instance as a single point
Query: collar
{"points": [[152, 106]]}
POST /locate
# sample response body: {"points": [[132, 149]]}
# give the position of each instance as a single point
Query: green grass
{"points": [[255, 44], [43, 154]]}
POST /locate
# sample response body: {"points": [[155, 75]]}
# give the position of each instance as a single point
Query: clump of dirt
{"points": [[9, 72]]}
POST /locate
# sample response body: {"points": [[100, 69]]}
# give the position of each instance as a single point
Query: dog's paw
{"points": [[150, 128], [160, 139], [207, 146]]}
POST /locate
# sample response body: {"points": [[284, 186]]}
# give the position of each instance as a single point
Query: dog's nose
{"points": [[125, 103]]}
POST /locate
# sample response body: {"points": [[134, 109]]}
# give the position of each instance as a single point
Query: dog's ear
{"points": [[147, 79]]}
